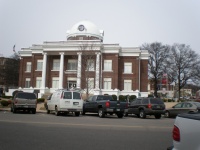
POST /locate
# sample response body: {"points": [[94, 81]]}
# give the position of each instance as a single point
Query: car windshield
{"points": [[156, 101], [26, 95]]}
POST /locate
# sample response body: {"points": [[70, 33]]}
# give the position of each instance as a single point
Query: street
{"points": [[47, 131]]}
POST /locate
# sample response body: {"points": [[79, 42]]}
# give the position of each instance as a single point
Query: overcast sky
{"points": [[130, 23]]}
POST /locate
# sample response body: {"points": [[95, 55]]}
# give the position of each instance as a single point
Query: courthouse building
{"points": [[84, 61]]}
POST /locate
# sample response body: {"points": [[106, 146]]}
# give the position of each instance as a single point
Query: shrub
{"points": [[132, 98], [4, 103], [8, 97], [114, 97], [122, 98], [40, 100]]}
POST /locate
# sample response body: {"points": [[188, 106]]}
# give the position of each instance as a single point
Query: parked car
{"points": [[24, 101], [65, 101], [186, 132], [103, 105], [183, 107], [147, 106]]}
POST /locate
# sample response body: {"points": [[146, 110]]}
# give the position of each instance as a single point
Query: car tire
{"points": [[33, 111], [14, 110], [167, 114], [57, 113], [83, 112], [11, 109], [48, 111], [101, 113], [126, 114], [142, 114], [157, 116], [120, 115], [77, 114]]}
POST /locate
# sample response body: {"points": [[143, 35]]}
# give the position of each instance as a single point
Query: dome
{"points": [[85, 28]]}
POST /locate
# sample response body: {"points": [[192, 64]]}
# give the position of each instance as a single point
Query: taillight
{"points": [[176, 134], [149, 106], [107, 104], [61, 96]]}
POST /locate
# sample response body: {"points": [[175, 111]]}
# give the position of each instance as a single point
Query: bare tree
{"points": [[157, 62], [182, 65], [88, 63]]}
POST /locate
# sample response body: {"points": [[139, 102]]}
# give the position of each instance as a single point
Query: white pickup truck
{"points": [[186, 132]]}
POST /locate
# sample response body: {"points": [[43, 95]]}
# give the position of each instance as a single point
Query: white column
{"points": [[79, 71], [44, 65], [97, 71], [61, 71]]}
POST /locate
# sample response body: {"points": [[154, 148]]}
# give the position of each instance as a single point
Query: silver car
{"points": [[183, 107]]}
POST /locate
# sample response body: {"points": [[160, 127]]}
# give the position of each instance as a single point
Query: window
{"points": [[27, 83], [28, 67], [39, 65], [38, 82], [107, 83], [90, 83], [127, 67], [55, 82], [107, 65], [56, 64], [127, 85], [90, 65], [72, 64], [71, 83]]}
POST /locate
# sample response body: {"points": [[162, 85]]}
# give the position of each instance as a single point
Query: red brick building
{"points": [[84, 61]]}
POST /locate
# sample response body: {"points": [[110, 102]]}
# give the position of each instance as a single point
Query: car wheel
{"points": [[83, 112], [126, 114], [77, 114], [158, 116], [33, 111], [142, 114], [57, 113], [101, 113], [120, 115], [14, 110], [167, 114], [48, 111], [11, 109]]}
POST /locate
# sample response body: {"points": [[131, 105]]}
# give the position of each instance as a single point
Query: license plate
{"points": [[76, 103], [118, 109], [158, 106], [25, 106]]}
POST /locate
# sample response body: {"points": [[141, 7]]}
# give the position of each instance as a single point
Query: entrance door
{"points": [[71, 84]]}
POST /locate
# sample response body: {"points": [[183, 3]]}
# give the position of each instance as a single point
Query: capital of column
{"points": [[44, 53], [62, 53], [79, 53], [97, 53]]}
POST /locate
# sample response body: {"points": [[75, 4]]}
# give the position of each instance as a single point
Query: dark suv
{"points": [[147, 106]]}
